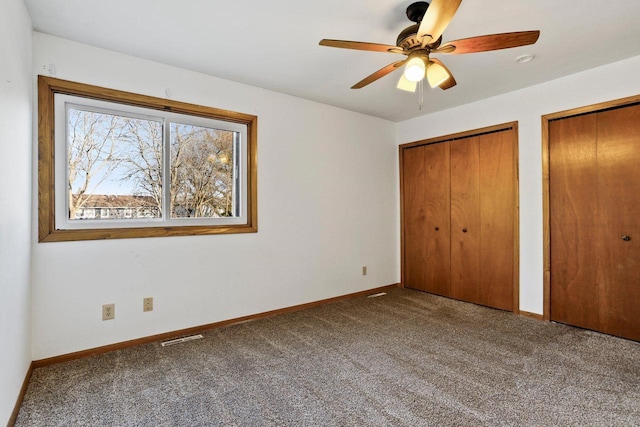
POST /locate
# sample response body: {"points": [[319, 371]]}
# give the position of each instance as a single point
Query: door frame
{"points": [[516, 214], [546, 208]]}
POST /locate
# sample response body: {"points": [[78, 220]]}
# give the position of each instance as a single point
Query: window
{"points": [[115, 165]]}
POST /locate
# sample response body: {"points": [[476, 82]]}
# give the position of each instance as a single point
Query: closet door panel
{"points": [[438, 246], [415, 218], [465, 220], [573, 178], [618, 135], [496, 219], [459, 224]]}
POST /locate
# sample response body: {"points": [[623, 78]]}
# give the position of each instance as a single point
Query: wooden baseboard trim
{"points": [[23, 391], [531, 315], [197, 329]]}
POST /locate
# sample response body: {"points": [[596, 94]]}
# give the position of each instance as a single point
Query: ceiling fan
{"points": [[417, 42]]}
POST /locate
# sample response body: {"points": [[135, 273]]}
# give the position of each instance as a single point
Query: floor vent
{"points": [[181, 340], [379, 294]]}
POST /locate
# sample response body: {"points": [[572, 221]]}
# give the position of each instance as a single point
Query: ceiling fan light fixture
{"points": [[415, 69], [436, 74]]}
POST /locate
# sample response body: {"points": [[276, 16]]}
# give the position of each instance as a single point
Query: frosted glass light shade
{"points": [[414, 70], [405, 84], [436, 74]]}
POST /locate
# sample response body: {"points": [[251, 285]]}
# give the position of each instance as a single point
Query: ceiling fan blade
{"points": [[378, 74], [450, 82], [436, 19], [489, 42], [374, 47], [406, 84]]}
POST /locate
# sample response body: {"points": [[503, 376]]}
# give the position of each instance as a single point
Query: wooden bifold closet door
{"points": [[459, 209], [427, 263], [594, 205]]}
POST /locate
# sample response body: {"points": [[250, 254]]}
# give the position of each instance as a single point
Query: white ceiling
{"points": [[274, 44]]}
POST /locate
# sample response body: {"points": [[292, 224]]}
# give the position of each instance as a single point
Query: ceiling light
{"points": [[525, 58], [436, 74], [414, 70]]}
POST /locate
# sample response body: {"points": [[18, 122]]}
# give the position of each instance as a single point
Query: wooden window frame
{"points": [[48, 87]]}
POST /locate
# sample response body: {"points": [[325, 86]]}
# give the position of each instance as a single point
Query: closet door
{"points": [[595, 205], [465, 220], [618, 243], [573, 177], [438, 225], [459, 217], [482, 219], [497, 206], [426, 218], [414, 170]]}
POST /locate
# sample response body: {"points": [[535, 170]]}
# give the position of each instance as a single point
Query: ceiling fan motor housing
{"points": [[416, 11], [407, 39]]}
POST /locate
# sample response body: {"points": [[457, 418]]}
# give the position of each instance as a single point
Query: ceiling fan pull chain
{"points": [[421, 94]]}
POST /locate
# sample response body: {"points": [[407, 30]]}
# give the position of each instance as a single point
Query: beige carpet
{"points": [[404, 359]]}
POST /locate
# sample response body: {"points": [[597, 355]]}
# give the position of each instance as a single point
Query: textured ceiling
{"points": [[274, 44]]}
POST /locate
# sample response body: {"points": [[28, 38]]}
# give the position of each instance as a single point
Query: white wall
{"points": [[15, 201], [614, 81], [327, 205]]}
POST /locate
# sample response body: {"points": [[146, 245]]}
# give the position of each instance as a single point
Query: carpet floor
{"points": [[403, 359]]}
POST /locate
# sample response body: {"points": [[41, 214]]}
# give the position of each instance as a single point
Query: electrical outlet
{"points": [[147, 304], [108, 311], [364, 270]]}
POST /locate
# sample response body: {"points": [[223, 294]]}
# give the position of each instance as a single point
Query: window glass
{"points": [[202, 172], [114, 164]]}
